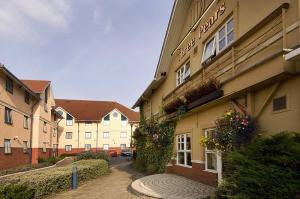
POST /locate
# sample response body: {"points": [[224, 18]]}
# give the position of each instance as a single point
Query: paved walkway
{"points": [[171, 186], [116, 185]]}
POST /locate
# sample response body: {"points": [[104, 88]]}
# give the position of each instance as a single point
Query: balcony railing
{"points": [[265, 39]]}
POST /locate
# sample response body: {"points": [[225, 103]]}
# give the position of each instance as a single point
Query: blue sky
{"points": [[89, 49]]}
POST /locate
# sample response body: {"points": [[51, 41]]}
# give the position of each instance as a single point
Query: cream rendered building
{"points": [[94, 125], [252, 48]]}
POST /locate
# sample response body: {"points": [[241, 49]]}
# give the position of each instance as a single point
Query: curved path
{"points": [[171, 186]]}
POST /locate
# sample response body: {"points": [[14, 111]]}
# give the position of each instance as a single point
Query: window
{"points": [[123, 146], [123, 120], [26, 97], [123, 135], [87, 147], [7, 146], [210, 153], [105, 147], [8, 115], [106, 120], [25, 146], [88, 135], [60, 113], [25, 122], [45, 127], [219, 41], [115, 114], [88, 123], [183, 73], [184, 150], [69, 135], [69, 120], [46, 95], [106, 135], [279, 103], [9, 85], [44, 148], [68, 148], [54, 132]]}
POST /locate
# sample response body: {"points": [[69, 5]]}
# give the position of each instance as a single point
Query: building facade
{"points": [[94, 126], [251, 48], [22, 119]]}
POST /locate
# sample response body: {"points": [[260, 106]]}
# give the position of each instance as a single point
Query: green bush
{"points": [[51, 180], [16, 192], [50, 160], [267, 168], [62, 156], [90, 155]]}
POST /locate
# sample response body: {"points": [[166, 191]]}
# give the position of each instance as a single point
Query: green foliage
{"points": [[90, 155], [154, 145], [51, 180], [267, 168], [62, 156], [50, 160]]}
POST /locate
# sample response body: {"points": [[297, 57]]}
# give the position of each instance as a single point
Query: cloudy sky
{"points": [[89, 49]]}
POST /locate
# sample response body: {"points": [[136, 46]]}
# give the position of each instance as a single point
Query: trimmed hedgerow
{"points": [[91, 155], [267, 168], [45, 182]]}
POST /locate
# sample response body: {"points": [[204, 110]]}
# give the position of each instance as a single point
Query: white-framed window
{"points": [[210, 153], [88, 135], [7, 146], [25, 146], [25, 122], [69, 120], [106, 135], [123, 120], [87, 147], [69, 135], [88, 123], [45, 127], [105, 147], [8, 116], [44, 147], [223, 37], [68, 147], [123, 146], [184, 157], [183, 73], [123, 135], [106, 120]]}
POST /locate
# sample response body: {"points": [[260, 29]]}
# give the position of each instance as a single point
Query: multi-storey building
{"points": [[26, 120], [252, 48], [94, 125]]}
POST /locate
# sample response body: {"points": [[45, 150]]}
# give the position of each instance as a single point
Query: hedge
{"points": [[91, 155], [41, 183], [267, 168]]}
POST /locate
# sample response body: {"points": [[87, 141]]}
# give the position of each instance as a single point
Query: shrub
{"points": [[51, 180], [90, 155], [174, 106], [267, 168], [62, 156], [49, 161]]}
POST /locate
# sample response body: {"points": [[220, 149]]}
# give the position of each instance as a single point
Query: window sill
{"points": [[8, 123], [211, 171], [8, 153], [182, 165]]}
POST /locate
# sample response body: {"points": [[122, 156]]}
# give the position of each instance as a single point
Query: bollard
{"points": [[74, 178]]}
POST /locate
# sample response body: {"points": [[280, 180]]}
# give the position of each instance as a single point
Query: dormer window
{"points": [[183, 73], [123, 120], [69, 120], [223, 37], [106, 120]]}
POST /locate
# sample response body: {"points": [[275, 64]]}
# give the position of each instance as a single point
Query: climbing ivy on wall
{"points": [[154, 145]]}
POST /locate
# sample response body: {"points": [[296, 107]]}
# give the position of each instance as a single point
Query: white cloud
{"points": [[17, 17]]}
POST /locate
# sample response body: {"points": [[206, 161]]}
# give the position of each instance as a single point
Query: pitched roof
{"points": [[37, 86], [88, 110]]}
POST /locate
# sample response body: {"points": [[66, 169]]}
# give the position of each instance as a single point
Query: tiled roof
{"points": [[37, 86], [87, 110]]}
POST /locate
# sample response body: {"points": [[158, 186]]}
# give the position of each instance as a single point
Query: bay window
{"points": [[184, 150]]}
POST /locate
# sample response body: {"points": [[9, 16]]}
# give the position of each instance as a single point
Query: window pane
{"points": [[107, 118], [222, 33], [188, 142], [189, 158], [222, 44], [182, 146], [180, 157], [123, 118], [229, 25], [211, 161], [209, 49], [230, 37]]}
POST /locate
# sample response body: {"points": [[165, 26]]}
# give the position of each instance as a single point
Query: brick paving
{"points": [[171, 186]]}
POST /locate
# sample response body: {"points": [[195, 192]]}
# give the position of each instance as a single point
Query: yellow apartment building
{"points": [[26, 127], [251, 48], [94, 126]]}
